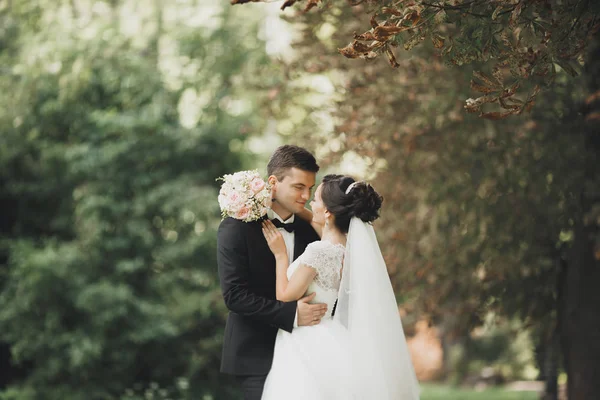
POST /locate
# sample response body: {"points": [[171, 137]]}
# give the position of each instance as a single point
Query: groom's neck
{"points": [[282, 212]]}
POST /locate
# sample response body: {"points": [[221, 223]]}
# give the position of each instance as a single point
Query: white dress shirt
{"points": [[288, 238]]}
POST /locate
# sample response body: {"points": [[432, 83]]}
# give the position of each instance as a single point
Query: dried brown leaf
{"points": [[391, 58], [413, 17], [497, 74], [438, 41], [506, 40], [448, 49], [481, 88], [311, 4], [547, 37], [365, 36], [474, 105], [514, 15], [535, 91], [486, 79], [497, 11], [382, 32], [529, 105], [508, 92], [350, 52], [287, 3], [373, 21], [392, 11], [363, 48]]}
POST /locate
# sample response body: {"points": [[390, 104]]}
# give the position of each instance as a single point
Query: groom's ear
{"points": [[273, 182]]}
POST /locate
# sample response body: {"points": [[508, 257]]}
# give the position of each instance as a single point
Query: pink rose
{"points": [[243, 213], [234, 198], [257, 185]]}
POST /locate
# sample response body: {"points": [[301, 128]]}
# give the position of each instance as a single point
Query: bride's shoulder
{"points": [[322, 254], [322, 246], [318, 244]]}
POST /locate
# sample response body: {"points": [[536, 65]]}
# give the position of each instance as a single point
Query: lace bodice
{"points": [[327, 259]]}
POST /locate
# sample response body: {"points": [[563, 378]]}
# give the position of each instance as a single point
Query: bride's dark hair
{"points": [[362, 201]]}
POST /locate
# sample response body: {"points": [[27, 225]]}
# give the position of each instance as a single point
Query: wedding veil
{"points": [[381, 364]]}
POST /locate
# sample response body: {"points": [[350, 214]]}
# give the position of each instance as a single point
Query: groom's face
{"points": [[293, 191]]}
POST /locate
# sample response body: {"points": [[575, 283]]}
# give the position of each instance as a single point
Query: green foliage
{"points": [[503, 351], [111, 144]]}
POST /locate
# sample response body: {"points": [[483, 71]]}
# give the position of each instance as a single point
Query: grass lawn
{"points": [[444, 392]]}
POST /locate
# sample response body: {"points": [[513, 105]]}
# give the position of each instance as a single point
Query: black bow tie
{"points": [[288, 227]]}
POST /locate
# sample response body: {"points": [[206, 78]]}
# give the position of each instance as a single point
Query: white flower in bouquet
{"points": [[244, 196]]}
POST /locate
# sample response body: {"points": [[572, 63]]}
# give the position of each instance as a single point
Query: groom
{"points": [[247, 273]]}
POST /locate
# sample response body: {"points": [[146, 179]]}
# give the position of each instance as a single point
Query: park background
{"points": [[117, 117]]}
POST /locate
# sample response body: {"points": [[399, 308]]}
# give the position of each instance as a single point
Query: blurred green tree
{"points": [[116, 119]]}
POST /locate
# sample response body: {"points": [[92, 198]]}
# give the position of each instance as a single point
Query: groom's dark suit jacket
{"points": [[247, 276]]}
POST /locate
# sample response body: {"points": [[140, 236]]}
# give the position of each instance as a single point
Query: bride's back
{"points": [[327, 259]]}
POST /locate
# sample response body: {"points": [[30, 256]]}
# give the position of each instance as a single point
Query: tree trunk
{"points": [[580, 320], [550, 369], [581, 325], [5, 367]]}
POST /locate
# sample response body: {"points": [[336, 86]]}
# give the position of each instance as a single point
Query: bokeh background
{"points": [[116, 118]]}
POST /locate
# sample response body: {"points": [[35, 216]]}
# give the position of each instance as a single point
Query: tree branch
{"points": [[460, 8]]}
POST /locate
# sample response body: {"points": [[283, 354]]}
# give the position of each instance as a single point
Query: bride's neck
{"points": [[333, 235]]}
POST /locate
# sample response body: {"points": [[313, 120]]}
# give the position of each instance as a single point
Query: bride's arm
{"points": [[286, 290], [293, 289], [307, 215]]}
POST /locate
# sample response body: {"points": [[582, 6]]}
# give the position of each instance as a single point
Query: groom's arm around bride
{"points": [[247, 278], [238, 294]]}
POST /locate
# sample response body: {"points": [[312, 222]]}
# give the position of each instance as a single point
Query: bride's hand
{"points": [[274, 239]]}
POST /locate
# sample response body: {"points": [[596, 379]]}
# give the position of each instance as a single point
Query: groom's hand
{"points": [[310, 314]]}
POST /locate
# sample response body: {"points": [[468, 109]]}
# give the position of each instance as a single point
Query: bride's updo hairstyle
{"points": [[361, 201]]}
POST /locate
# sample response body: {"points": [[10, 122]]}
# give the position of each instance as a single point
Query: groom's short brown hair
{"points": [[290, 156]]}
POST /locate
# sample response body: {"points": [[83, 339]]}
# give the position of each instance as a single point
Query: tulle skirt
{"points": [[312, 362]]}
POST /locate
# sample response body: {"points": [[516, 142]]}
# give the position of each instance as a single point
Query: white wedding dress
{"points": [[313, 362], [361, 352]]}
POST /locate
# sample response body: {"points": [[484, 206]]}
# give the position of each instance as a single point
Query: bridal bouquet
{"points": [[244, 196]]}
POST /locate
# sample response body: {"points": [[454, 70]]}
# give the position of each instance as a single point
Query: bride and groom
{"points": [[312, 313]]}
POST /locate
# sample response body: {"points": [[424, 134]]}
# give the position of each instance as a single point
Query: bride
{"points": [[360, 353]]}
